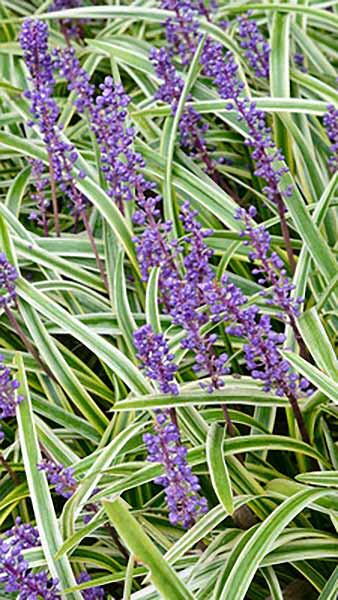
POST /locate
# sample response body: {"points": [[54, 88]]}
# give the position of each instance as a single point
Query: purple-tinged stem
{"points": [[9, 470], [54, 195], [94, 247], [30, 348], [286, 233]]}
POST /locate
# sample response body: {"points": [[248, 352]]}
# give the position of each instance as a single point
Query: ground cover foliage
{"points": [[168, 378]]}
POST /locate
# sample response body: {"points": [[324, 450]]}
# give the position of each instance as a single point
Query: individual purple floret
{"points": [[154, 355], [42, 203], [330, 121], [15, 575], [60, 476], [9, 399], [95, 593], [181, 487], [257, 49], [8, 277], [271, 268], [299, 61]]}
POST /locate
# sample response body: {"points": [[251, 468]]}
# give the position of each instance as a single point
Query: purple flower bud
{"points": [[181, 487]]}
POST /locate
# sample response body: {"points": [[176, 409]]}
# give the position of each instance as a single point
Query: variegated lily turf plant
{"points": [[168, 285]]}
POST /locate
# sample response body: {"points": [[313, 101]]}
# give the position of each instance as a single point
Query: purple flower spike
{"points": [[70, 28], [8, 277], [69, 67], [8, 398], [108, 119], [223, 70], [271, 269], [153, 352], [33, 39], [62, 156], [181, 30], [181, 487], [120, 163], [191, 126], [261, 349], [182, 296], [330, 121], [60, 476], [15, 575], [95, 593], [257, 49]]}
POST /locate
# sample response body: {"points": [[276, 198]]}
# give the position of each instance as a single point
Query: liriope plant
{"points": [[168, 381]]}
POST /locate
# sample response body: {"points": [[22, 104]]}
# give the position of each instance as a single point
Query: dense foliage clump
{"points": [[168, 284]]}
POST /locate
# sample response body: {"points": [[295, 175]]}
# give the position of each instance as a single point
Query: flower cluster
{"points": [[181, 293], [257, 49], [270, 268], [108, 117], [70, 28], [223, 70], [120, 164], [330, 121], [181, 486], [181, 30], [154, 355], [261, 349], [62, 155], [60, 476], [15, 575], [191, 126], [182, 36], [9, 399], [186, 301], [78, 80], [8, 277]]}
